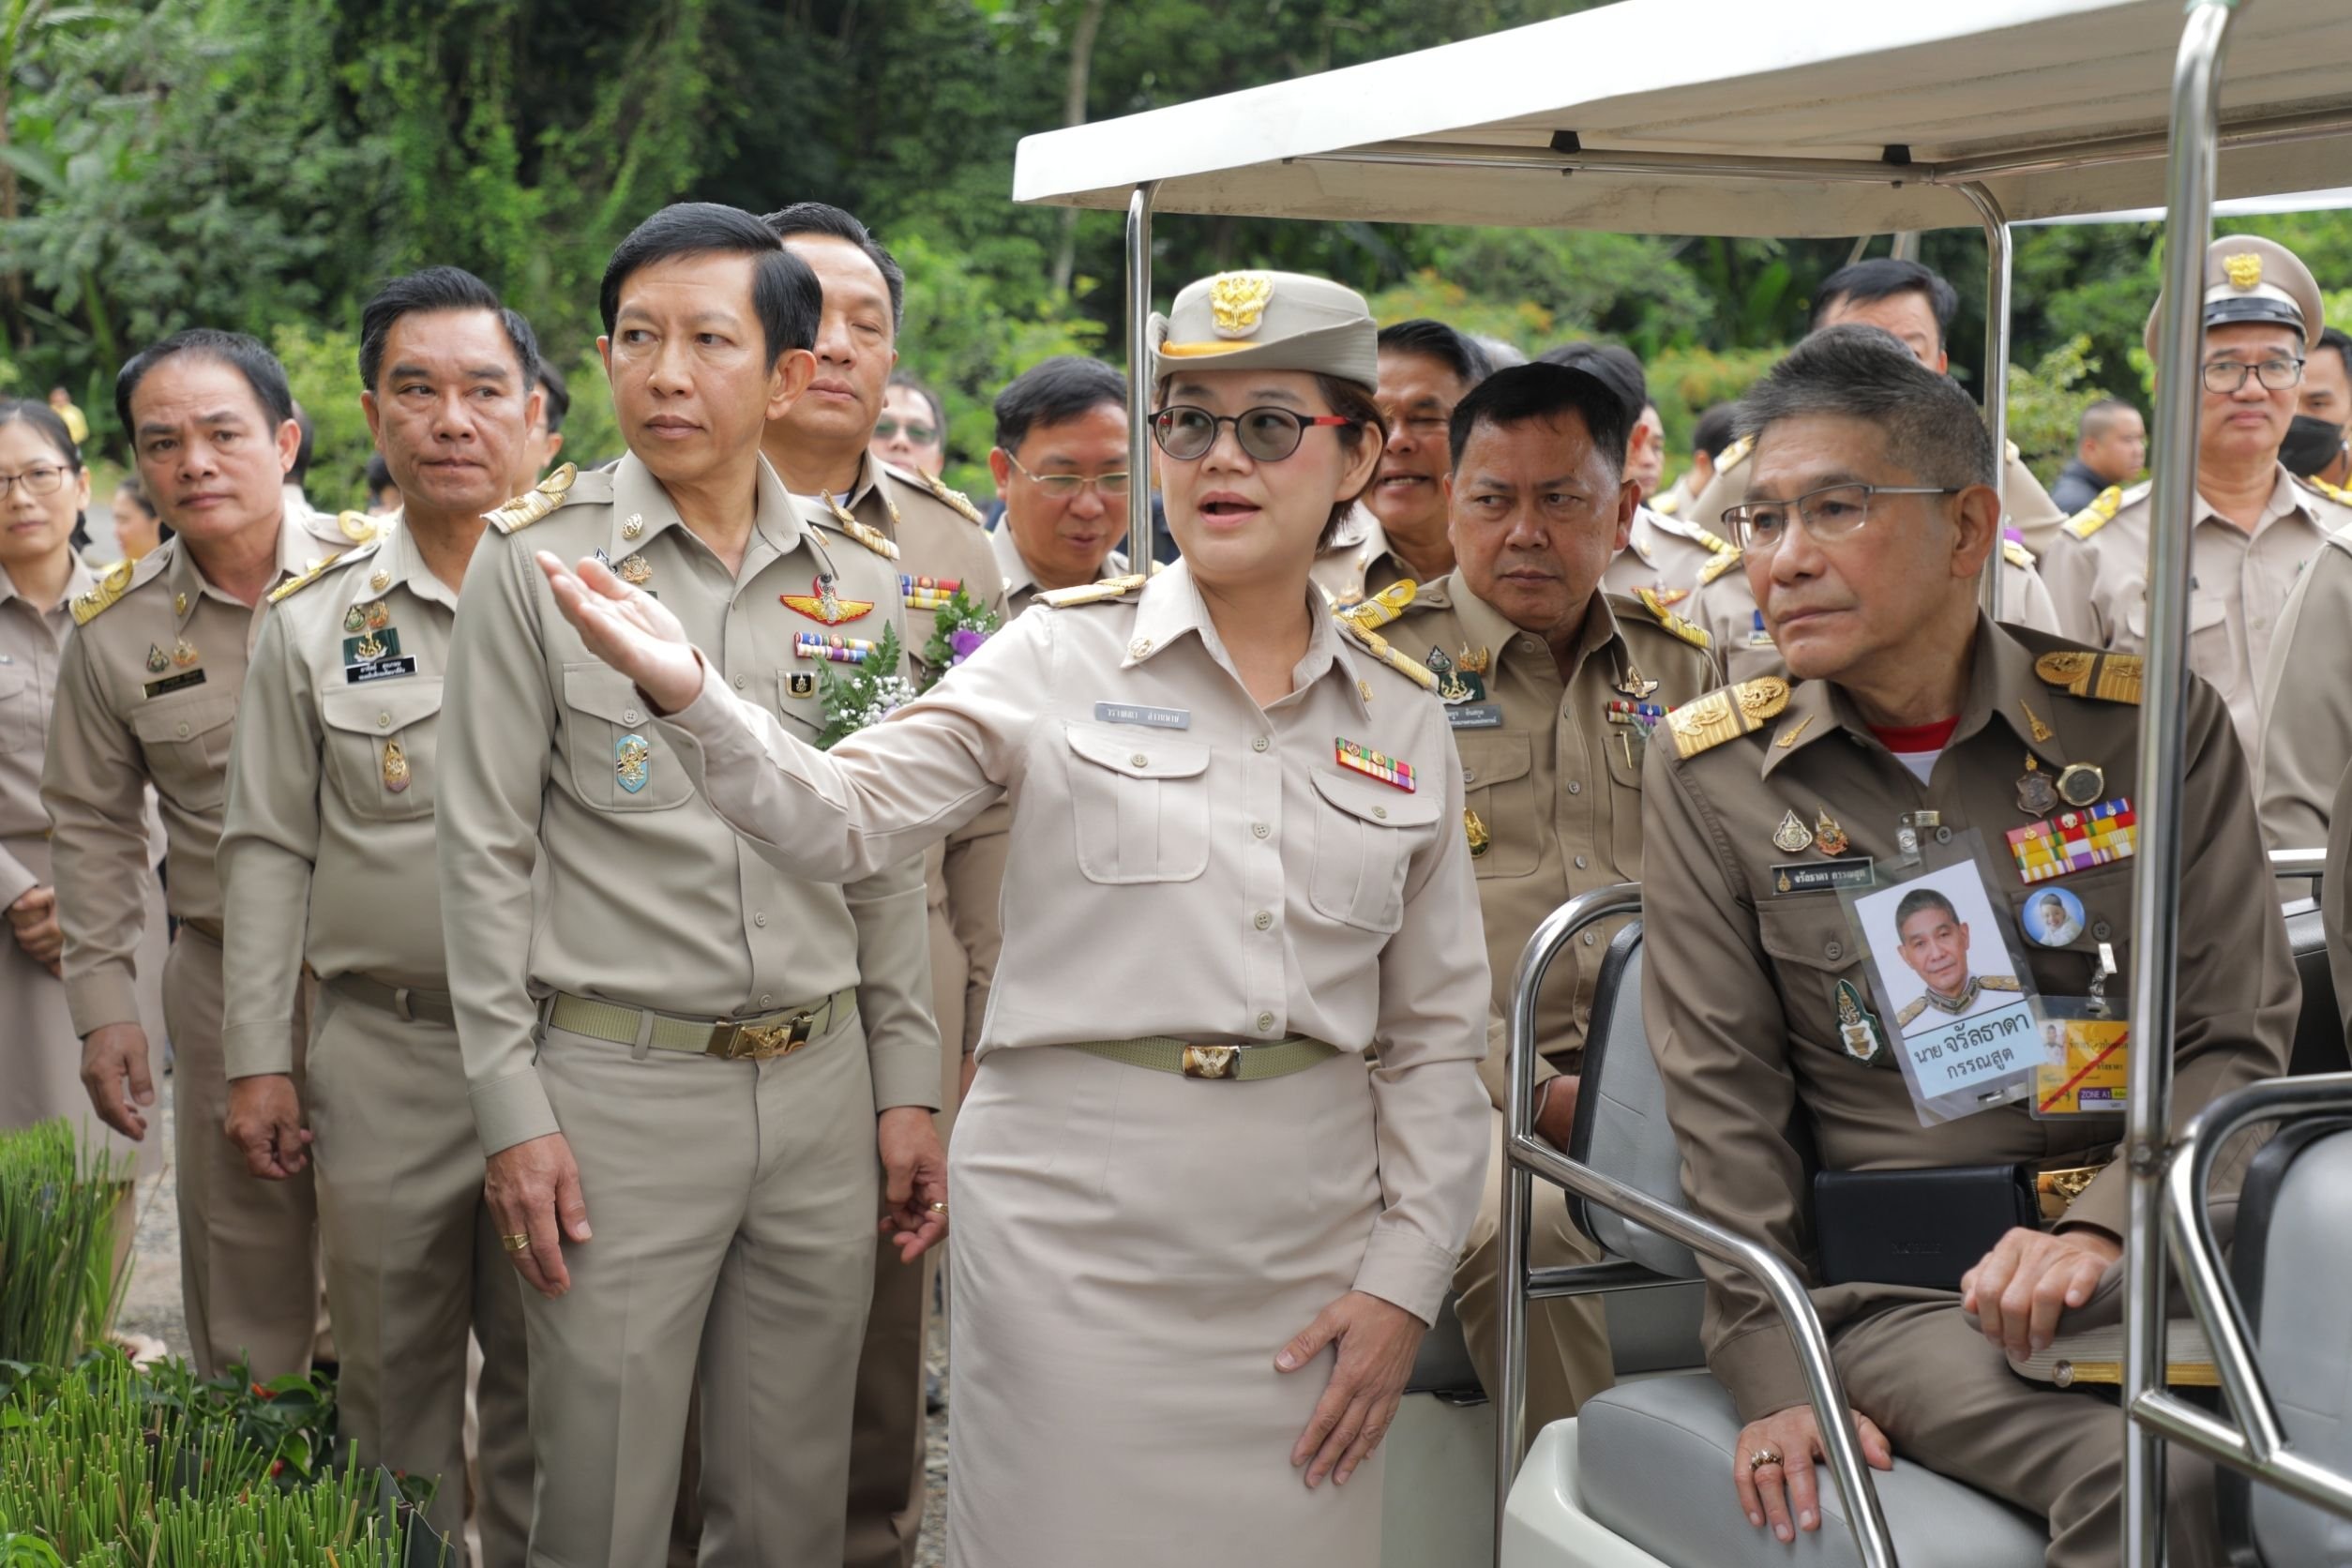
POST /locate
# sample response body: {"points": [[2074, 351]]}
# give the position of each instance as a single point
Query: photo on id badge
{"points": [[1958, 1000]]}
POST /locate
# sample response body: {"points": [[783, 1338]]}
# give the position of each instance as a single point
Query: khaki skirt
{"points": [[40, 1056], [1132, 1248]]}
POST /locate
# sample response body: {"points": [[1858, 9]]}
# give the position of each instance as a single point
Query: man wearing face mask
{"points": [[2316, 446], [2257, 528]]}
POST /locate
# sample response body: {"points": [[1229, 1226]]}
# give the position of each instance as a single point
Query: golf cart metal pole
{"points": [[2155, 904], [1998, 256], [1140, 378]]}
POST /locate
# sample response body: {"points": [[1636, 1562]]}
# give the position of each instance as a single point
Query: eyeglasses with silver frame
{"points": [[1828, 514]]}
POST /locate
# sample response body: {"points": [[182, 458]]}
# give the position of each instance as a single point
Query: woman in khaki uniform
{"points": [[1183, 1301], [40, 1057]]}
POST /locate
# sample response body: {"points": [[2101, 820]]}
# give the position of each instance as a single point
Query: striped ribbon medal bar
{"points": [[839, 650], [928, 593], [1374, 765], [2074, 841]]}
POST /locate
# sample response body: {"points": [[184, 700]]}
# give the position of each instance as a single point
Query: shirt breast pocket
{"points": [[1498, 785], [2212, 643], [380, 747], [187, 747], [19, 710], [1363, 840], [1813, 949], [1139, 804], [617, 763]]}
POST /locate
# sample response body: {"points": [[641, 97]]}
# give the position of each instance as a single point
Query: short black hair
{"points": [[1544, 391], [1716, 429], [2337, 338], [1434, 340], [1920, 899], [439, 288], [1054, 391], [1854, 372], [939, 409], [823, 218], [785, 294], [47, 424], [240, 351], [559, 395], [300, 468], [1616, 368], [1883, 277]]}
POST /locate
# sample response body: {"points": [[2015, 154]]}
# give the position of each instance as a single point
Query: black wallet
{"points": [[1919, 1228]]}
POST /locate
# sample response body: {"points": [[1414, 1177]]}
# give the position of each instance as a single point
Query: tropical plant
{"points": [[59, 1285]]}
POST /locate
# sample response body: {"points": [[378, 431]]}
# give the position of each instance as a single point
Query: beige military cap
{"points": [[1268, 320], [2252, 279]]}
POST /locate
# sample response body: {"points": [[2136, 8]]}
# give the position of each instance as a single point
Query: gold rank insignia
{"points": [[2100, 513], [955, 499], [1092, 593], [2320, 487], [1693, 635], [2243, 269], [395, 767], [866, 534], [635, 571], [1727, 714], [1724, 561], [535, 502], [821, 604], [632, 761], [1237, 303], [1381, 608], [184, 653], [358, 527], [294, 585], [1374, 643], [112, 584], [633, 525], [2016, 554], [1480, 840], [2079, 672]]}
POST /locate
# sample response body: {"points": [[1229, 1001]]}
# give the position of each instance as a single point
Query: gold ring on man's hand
{"points": [[939, 1208], [519, 1241], [1763, 1456]]}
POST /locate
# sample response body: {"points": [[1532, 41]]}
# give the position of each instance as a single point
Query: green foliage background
{"points": [[262, 163]]}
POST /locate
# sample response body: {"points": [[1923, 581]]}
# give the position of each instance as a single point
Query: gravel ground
{"points": [[151, 1306]]}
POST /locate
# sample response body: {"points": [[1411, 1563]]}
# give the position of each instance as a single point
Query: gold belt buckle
{"points": [[1213, 1062], [2058, 1190], [766, 1042]]}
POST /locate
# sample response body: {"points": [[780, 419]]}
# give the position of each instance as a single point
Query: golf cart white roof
{"points": [[2058, 107]]}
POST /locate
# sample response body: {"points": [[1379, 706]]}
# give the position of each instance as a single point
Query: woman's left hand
{"points": [[1377, 1342]]}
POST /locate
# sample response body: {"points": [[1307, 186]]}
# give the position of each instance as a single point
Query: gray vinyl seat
{"points": [[1654, 1454]]}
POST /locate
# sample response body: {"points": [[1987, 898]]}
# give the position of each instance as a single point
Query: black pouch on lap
{"points": [[1918, 1227]]}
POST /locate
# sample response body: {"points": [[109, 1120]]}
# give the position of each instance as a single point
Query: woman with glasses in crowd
{"points": [[44, 491], [1226, 1134]]}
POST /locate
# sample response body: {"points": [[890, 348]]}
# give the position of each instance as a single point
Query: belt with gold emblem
{"points": [[757, 1039], [1194, 1059]]}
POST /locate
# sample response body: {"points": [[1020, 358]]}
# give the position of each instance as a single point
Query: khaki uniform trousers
{"points": [[248, 1248], [733, 1205], [1567, 1337], [413, 1263], [1948, 1400]]}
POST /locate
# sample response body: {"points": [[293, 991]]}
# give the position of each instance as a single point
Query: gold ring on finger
{"points": [[1763, 1456], [519, 1241], [939, 1208]]}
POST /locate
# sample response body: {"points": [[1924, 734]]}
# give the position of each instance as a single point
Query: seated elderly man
{"points": [[1917, 743]]}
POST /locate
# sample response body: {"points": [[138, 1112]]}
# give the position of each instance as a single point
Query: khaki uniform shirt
{"points": [[1021, 584], [1726, 608], [147, 693], [649, 901], [1185, 863], [2098, 571], [1679, 500], [2304, 755], [1672, 557], [327, 847], [32, 646], [1358, 563], [1552, 792], [2025, 507], [1740, 988]]}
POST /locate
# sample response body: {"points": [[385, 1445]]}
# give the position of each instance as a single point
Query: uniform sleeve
{"points": [[2026, 599], [497, 734], [16, 878], [2234, 1018], [2026, 507], [892, 912], [976, 856], [1494, 1068], [269, 848], [884, 793], [1722, 1042], [2069, 572], [1431, 1121], [94, 784], [2306, 750]]}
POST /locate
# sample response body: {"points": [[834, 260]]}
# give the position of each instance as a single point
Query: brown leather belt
{"points": [[408, 1004]]}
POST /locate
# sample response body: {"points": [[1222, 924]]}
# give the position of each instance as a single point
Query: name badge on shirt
{"points": [[378, 670], [1475, 716], [175, 682], [1151, 718], [1824, 876]]}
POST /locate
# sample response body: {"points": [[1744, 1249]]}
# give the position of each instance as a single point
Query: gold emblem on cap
{"points": [[1237, 303], [2244, 269]]}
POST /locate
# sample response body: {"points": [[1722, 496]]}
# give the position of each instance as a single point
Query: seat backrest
{"points": [[1621, 1128], [2319, 1027]]}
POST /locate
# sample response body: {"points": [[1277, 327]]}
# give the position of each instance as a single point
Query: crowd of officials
{"points": [[566, 1044]]}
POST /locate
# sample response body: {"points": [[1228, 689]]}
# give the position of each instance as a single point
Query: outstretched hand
{"points": [[629, 628]]}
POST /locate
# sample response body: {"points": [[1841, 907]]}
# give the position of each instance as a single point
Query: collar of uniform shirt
{"points": [[637, 497], [1171, 605], [1488, 627], [2002, 665]]}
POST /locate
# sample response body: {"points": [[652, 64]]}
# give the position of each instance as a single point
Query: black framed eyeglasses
{"points": [[2276, 375], [43, 480], [1267, 434], [1829, 514]]}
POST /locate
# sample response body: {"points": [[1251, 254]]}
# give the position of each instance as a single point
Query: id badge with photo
{"points": [[2085, 1064], [1957, 998]]}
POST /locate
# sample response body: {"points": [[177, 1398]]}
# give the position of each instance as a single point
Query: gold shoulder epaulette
{"points": [[2100, 513], [1735, 454], [954, 498], [1377, 647], [1104, 592], [294, 585], [2317, 485], [1715, 542], [1723, 561], [358, 527], [535, 502], [2080, 672], [1912, 1009], [1727, 714], [1689, 632], [1381, 608], [2017, 555], [2012, 452], [112, 584]]}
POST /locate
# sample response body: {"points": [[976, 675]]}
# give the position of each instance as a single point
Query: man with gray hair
{"points": [[1913, 734]]}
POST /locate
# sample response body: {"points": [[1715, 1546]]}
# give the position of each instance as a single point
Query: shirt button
{"points": [[1259, 829], [2101, 930], [628, 715], [739, 683], [1263, 920], [1575, 788], [1259, 744], [1469, 775], [1588, 939], [1579, 862], [384, 721], [759, 918], [1380, 811], [1140, 759], [767, 998], [1834, 951], [1265, 1022], [183, 730]]}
